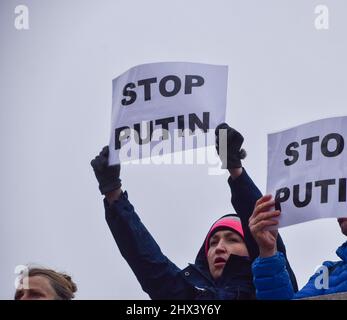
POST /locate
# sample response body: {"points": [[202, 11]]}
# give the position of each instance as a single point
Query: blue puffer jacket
{"points": [[161, 278], [272, 281]]}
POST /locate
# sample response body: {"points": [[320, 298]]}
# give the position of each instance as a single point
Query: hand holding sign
{"points": [[107, 176], [228, 146], [307, 170], [260, 222]]}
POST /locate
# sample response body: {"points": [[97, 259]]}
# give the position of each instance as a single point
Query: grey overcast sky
{"points": [[55, 99]]}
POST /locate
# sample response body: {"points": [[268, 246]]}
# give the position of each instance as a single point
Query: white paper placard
{"points": [[307, 170], [173, 96]]}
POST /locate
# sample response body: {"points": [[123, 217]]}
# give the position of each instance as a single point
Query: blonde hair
{"points": [[62, 283]]}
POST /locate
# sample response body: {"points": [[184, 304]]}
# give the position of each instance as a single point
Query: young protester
{"points": [[222, 268]]}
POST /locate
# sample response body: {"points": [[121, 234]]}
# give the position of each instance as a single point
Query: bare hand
{"points": [[259, 223]]}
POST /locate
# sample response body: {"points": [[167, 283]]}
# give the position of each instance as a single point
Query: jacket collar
{"points": [[236, 269]]}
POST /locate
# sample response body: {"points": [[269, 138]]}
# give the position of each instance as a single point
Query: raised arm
{"points": [[158, 276], [243, 190], [270, 275]]}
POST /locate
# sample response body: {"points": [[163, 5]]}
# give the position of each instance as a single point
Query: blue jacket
{"points": [[161, 278], [272, 281]]}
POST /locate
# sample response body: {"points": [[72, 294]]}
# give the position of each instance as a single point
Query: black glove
{"points": [[107, 176], [232, 156]]}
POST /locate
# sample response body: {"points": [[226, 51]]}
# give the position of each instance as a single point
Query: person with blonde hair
{"points": [[45, 284]]}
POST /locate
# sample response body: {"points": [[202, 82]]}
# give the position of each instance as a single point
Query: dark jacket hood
{"points": [[236, 266]]}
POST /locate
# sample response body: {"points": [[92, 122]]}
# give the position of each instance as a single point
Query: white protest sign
{"points": [[307, 170], [154, 105]]}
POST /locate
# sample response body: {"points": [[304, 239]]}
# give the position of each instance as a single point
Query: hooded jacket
{"points": [[161, 278]]}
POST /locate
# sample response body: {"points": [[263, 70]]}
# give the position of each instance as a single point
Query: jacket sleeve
{"points": [[244, 195], [158, 276], [271, 279]]}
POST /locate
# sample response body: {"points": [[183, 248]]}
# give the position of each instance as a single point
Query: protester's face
{"points": [[343, 225], [222, 244], [39, 288]]}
